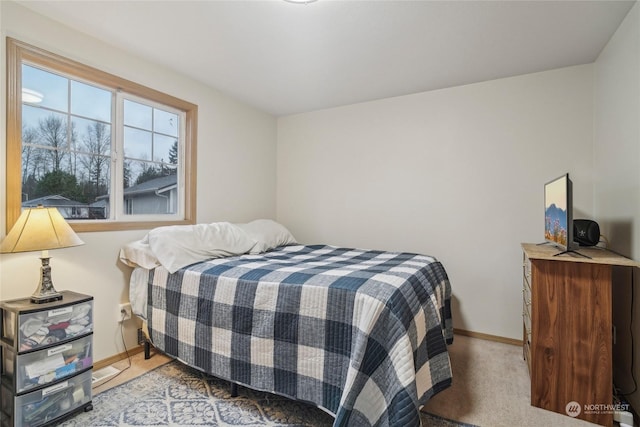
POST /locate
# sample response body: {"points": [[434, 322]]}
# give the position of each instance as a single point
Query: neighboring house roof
{"points": [[52, 200], [153, 185], [101, 203]]}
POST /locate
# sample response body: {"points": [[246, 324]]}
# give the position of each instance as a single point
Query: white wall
{"points": [[617, 178], [456, 173], [617, 137], [236, 172]]}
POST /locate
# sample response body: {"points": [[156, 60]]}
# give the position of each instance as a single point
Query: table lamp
{"points": [[41, 229]]}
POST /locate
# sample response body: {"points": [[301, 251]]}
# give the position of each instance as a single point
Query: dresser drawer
{"points": [[526, 320], [526, 276], [527, 356], [526, 266], [526, 310], [38, 368], [43, 328], [45, 405], [526, 299], [526, 293]]}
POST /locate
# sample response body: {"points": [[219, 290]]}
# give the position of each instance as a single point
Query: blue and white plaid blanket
{"points": [[362, 334]]}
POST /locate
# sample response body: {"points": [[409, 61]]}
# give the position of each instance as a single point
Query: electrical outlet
{"points": [[124, 312]]}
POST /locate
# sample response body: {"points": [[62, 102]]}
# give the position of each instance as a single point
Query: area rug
{"points": [[176, 395]]}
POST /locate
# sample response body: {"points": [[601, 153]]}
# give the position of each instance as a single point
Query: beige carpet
{"points": [[491, 388], [175, 395]]}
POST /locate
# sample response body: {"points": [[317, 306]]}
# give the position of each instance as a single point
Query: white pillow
{"points": [[180, 245], [268, 234], [139, 254]]}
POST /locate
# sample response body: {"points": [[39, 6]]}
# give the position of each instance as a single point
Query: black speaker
{"points": [[586, 232]]}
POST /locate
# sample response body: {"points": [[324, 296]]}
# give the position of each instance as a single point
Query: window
{"points": [[108, 153]]}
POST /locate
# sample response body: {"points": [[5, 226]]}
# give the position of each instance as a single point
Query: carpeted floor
{"points": [[491, 387], [175, 395]]}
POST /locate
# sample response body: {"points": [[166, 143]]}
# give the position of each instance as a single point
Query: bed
{"points": [[362, 334]]}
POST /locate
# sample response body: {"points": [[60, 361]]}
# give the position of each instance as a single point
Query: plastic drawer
{"points": [[50, 403], [42, 328], [42, 367]]}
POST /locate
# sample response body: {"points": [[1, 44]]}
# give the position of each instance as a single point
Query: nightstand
{"points": [[47, 359]]}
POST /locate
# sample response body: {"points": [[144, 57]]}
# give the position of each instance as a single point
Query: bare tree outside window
{"points": [[52, 133], [97, 143]]}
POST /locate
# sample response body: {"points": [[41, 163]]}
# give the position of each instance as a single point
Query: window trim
{"points": [[17, 52]]}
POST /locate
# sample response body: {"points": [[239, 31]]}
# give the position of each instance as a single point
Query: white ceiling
{"points": [[287, 58]]}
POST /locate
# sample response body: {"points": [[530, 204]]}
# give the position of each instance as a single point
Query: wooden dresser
{"points": [[567, 328]]}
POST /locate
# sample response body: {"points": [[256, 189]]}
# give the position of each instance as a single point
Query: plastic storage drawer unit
{"points": [[47, 359]]}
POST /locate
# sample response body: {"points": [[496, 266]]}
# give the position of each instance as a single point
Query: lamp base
{"points": [[45, 292], [41, 299]]}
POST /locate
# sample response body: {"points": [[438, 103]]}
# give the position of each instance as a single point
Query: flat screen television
{"points": [[558, 213]]}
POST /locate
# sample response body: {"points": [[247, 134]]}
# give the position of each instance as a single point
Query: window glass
{"points": [[90, 101], [151, 159], [137, 144], [91, 136], [55, 172], [47, 90], [165, 122], [67, 152], [137, 115], [163, 147]]}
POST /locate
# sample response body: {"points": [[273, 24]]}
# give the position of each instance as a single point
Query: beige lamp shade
{"points": [[39, 229]]}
